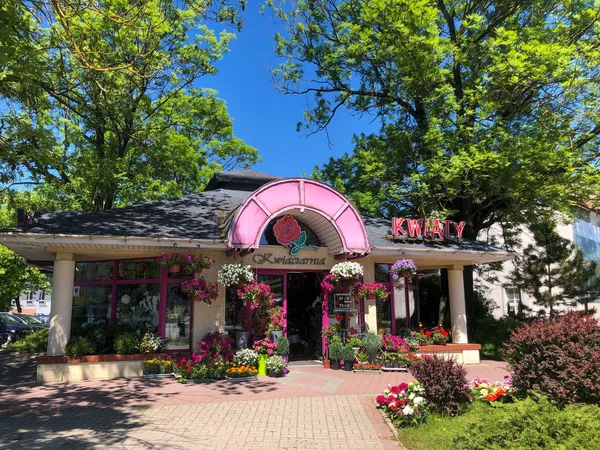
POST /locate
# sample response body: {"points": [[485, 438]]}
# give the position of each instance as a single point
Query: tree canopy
{"points": [[488, 110], [101, 104]]}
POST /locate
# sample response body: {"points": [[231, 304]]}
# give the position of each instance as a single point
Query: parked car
{"points": [[43, 317], [16, 328], [3, 334], [32, 321]]}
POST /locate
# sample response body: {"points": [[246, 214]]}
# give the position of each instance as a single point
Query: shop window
{"points": [[178, 320], [138, 306], [94, 271], [401, 311], [233, 306], [382, 273], [384, 316], [268, 237], [144, 269], [513, 299], [91, 304]]}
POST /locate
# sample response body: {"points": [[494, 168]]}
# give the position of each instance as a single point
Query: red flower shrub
{"points": [[558, 358], [445, 383]]}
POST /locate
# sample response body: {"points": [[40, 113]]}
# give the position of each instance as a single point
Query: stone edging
{"points": [[98, 358]]}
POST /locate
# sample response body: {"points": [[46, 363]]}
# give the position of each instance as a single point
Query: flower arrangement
{"points": [[241, 372], [256, 294], [276, 317], [155, 366], [354, 342], [499, 391], [246, 357], [328, 282], [201, 290], [404, 404], [275, 366], [265, 347], [194, 369], [234, 274], [393, 343], [366, 367], [374, 290], [214, 347], [347, 269], [332, 333], [439, 335], [187, 263], [152, 343], [403, 268]]}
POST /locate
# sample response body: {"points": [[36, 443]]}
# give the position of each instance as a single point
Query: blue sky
{"points": [[263, 117]]}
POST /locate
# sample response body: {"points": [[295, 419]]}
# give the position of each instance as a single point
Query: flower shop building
{"points": [[107, 265]]}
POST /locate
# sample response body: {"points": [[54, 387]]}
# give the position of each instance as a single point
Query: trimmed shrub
{"points": [[79, 346], [127, 343], [283, 346], [492, 334], [531, 424], [33, 343], [445, 383], [558, 358]]}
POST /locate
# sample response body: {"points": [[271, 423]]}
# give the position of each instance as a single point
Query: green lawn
{"points": [[525, 425]]}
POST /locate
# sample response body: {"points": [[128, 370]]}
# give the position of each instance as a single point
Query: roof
{"points": [[204, 216]]}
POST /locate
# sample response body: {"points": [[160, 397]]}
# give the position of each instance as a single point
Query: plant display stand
{"points": [[394, 369], [241, 379], [158, 375]]}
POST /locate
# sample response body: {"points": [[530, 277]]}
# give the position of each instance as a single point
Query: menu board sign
{"points": [[342, 302]]}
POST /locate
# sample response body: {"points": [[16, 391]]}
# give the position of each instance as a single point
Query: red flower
{"points": [[499, 393], [286, 230], [491, 398], [428, 334], [187, 369], [351, 315]]}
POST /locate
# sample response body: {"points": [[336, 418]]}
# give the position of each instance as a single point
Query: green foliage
{"points": [[552, 269], [104, 115], [371, 342], [32, 343], [156, 366], [79, 346], [127, 343], [488, 112], [348, 353], [532, 424], [283, 346], [492, 334], [336, 351]]}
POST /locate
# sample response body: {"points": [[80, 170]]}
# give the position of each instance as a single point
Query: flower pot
{"points": [[348, 366], [326, 364], [335, 365], [440, 343], [276, 334], [242, 339], [174, 268], [262, 365], [371, 297], [405, 274]]}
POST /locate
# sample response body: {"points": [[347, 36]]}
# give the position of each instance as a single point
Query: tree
{"points": [[554, 271], [488, 110], [117, 120]]}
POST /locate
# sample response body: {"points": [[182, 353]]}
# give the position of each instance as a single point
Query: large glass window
{"points": [[178, 318], [91, 304], [138, 306], [401, 311], [142, 269], [94, 271]]}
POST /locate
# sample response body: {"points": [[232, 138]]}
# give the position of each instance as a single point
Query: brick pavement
{"points": [[311, 408]]}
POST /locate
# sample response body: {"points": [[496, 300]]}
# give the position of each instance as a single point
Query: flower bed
{"points": [[404, 404], [367, 367]]}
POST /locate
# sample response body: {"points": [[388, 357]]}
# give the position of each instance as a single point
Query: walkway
{"points": [[311, 408]]}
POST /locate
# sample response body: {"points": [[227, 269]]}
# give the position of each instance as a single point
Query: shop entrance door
{"points": [[300, 295]]}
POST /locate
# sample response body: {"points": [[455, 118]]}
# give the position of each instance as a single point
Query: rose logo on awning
{"points": [[289, 234]]}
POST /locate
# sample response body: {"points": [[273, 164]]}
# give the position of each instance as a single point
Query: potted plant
{"points": [[335, 354], [393, 343], [348, 357], [238, 374], [276, 318], [283, 349], [371, 342], [355, 343], [173, 261], [246, 357], [201, 290], [439, 336], [235, 274], [403, 268], [373, 291], [264, 348], [342, 276], [275, 366], [152, 343]]}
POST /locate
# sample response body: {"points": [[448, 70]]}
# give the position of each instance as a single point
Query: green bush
{"points": [[32, 343], [336, 351], [348, 353], [79, 346], [532, 424], [127, 343], [283, 346], [154, 366], [492, 334]]}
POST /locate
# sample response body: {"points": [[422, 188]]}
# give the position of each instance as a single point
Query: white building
{"points": [[34, 302], [584, 231]]}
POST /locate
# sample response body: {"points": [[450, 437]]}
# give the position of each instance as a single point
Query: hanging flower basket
{"points": [[201, 290], [373, 290], [175, 268], [235, 275], [342, 276], [185, 262], [403, 268]]}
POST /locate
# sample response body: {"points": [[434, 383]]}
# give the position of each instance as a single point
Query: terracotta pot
{"points": [[405, 274], [326, 364], [440, 343], [174, 268]]}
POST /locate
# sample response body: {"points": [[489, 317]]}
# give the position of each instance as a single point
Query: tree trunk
{"points": [[19, 307], [444, 308]]}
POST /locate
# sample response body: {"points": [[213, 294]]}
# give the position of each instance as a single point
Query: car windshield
{"points": [[30, 320], [10, 319]]}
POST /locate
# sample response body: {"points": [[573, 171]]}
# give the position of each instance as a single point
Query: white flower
{"points": [[347, 269], [407, 411], [484, 392], [412, 396], [418, 400], [232, 274], [246, 357]]}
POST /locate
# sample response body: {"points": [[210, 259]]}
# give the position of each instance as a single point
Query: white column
{"points": [[458, 309], [62, 304]]}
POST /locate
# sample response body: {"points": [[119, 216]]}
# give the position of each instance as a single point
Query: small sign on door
{"points": [[342, 302]]}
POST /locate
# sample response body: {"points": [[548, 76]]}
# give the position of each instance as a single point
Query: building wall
{"points": [[585, 231], [34, 302]]}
